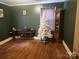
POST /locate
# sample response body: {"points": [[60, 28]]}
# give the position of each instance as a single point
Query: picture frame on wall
{"points": [[24, 12], [1, 13]]}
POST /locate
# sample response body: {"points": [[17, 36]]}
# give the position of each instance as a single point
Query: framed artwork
{"points": [[24, 12], [1, 13]]}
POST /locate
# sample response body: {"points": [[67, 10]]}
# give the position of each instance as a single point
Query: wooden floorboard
{"points": [[32, 49]]}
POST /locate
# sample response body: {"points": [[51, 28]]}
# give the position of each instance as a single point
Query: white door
{"points": [[76, 34]]}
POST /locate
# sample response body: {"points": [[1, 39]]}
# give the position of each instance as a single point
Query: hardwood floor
{"points": [[32, 49]]}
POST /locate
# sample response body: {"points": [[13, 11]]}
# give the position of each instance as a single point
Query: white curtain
{"points": [[49, 13]]}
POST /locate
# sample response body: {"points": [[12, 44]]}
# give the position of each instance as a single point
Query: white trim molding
{"points": [[6, 40], [33, 3], [4, 3], [67, 49]]}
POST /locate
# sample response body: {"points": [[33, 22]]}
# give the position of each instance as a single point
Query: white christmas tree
{"points": [[44, 30]]}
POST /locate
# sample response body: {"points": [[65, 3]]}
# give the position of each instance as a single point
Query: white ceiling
{"points": [[27, 2]]}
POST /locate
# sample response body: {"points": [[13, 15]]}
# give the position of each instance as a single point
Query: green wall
{"points": [[13, 17], [69, 22], [5, 22], [32, 19]]}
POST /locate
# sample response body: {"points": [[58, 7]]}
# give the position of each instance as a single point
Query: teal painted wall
{"points": [[13, 17], [32, 19], [5, 22], [69, 22]]}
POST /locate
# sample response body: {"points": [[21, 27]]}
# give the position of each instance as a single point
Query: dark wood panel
{"points": [[32, 49]]}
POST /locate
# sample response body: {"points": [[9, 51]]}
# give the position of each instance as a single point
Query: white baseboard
{"points": [[6, 40], [67, 49]]}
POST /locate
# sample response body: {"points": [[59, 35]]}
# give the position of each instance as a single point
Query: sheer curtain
{"points": [[49, 14]]}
